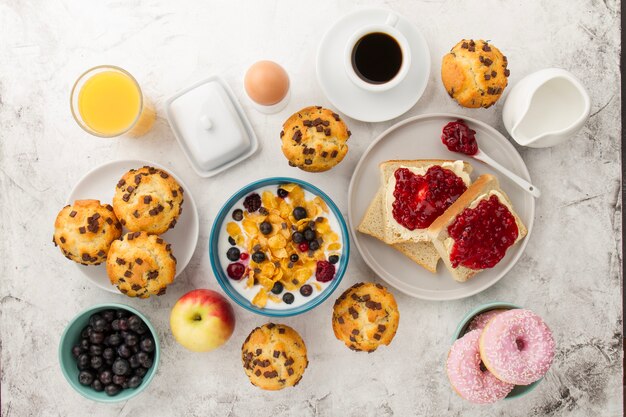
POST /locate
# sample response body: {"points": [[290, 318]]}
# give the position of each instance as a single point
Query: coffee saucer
{"points": [[355, 102]]}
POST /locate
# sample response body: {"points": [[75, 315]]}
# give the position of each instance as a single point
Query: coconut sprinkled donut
{"points": [[468, 378], [517, 347], [480, 321]]}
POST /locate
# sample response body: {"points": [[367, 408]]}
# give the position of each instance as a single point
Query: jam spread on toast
{"points": [[420, 199], [482, 234], [458, 137]]}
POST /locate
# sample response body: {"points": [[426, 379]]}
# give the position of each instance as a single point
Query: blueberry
{"points": [[147, 362], [115, 324], [83, 361], [299, 213], [123, 324], [131, 339], [119, 379], [231, 241], [134, 323], [258, 257], [142, 329], [306, 290], [277, 288], [333, 259], [95, 350], [147, 345], [238, 215], [141, 372], [265, 228], [108, 354], [106, 377], [108, 315], [120, 367], [86, 332], [115, 339], [76, 351], [85, 378], [134, 361], [294, 257], [134, 381], [121, 314], [233, 254], [309, 235], [96, 362], [84, 344], [93, 318], [112, 389], [101, 325], [124, 351], [314, 245], [282, 193], [288, 298], [297, 237], [98, 386]]}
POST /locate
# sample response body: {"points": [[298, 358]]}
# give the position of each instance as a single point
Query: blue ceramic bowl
{"points": [[519, 390], [220, 270], [71, 336]]}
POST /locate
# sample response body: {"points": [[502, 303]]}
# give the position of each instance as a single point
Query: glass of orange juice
{"points": [[107, 101]]}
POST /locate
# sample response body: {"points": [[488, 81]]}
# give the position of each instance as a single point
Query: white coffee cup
{"points": [[387, 28]]}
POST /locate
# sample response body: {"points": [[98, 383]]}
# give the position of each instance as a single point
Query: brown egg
{"points": [[266, 83]]}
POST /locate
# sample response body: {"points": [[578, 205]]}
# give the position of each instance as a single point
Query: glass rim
{"points": [[76, 113]]}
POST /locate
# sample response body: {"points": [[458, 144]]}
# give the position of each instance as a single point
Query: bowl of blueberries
{"points": [[109, 352]]}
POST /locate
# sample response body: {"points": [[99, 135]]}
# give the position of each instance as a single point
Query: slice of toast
{"points": [[422, 253], [438, 231], [394, 232]]}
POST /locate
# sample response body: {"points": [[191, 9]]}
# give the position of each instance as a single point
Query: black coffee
{"points": [[376, 58]]}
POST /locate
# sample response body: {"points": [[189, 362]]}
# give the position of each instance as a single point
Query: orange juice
{"points": [[108, 102]]}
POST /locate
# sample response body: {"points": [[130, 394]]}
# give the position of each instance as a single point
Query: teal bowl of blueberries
{"points": [[109, 353], [316, 246]]}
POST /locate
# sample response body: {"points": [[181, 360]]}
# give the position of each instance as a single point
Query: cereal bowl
{"points": [[461, 329], [281, 253], [71, 337]]}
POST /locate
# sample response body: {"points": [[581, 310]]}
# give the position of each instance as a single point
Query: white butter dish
{"points": [[210, 126]]}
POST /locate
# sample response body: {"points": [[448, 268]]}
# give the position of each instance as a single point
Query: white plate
{"points": [[99, 184], [365, 105], [420, 138]]}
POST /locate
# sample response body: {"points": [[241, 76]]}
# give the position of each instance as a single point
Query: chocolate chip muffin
{"points": [[148, 200], [474, 73], [314, 139], [365, 316], [141, 265], [274, 357], [84, 231]]}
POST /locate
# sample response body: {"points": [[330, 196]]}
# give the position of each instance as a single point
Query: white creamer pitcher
{"points": [[546, 108]]}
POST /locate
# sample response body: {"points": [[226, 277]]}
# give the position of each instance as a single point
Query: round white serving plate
{"points": [[99, 184], [419, 137], [358, 103]]}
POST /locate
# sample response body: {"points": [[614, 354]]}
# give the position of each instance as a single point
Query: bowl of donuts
{"points": [[499, 351]]}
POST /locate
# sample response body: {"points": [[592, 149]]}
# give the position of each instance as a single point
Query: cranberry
{"points": [[458, 137], [243, 256], [420, 199], [304, 246], [252, 202], [325, 271], [235, 270], [482, 235]]}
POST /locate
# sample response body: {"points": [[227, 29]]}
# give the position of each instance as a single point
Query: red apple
{"points": [[202, 320]]}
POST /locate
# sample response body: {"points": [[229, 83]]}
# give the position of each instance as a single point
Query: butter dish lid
{"points": [[210, 126]]}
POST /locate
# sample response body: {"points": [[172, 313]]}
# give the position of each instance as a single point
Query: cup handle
{"points": [[392, 20]]}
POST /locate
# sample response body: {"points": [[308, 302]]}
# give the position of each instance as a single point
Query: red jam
{"points": [[420, 199], [482, 235], [458, 137]]}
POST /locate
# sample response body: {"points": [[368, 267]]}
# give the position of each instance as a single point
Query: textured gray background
{"points": [[570, 273]]}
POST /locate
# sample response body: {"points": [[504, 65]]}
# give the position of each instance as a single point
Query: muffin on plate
{"points": [[84, 231], [314, 139], [365, 316], [274, 357], [148, 200], [141, 265], [474, 73]]}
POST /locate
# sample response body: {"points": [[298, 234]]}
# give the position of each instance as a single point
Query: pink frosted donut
{"points": [[517, 347], [480, 321], [468, 379]]}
